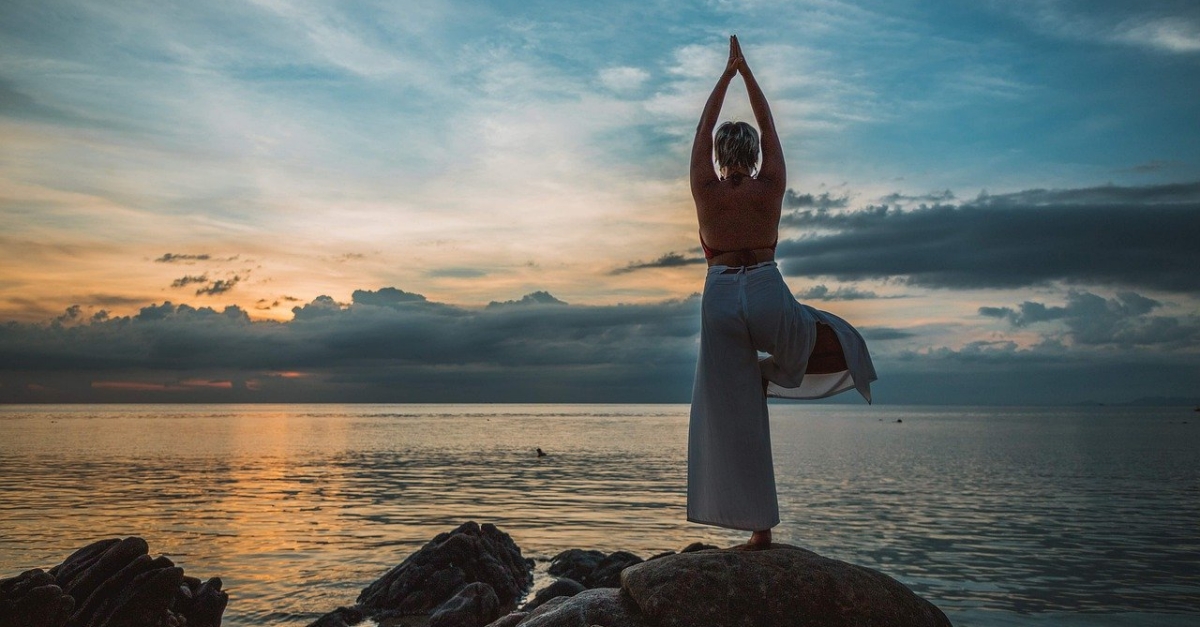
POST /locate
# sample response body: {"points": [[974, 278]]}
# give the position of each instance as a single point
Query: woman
{"points": [[747, 309]]}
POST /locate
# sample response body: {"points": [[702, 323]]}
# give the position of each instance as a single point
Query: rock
{"points": [[145, 600], [107, 565], [33, 598], [431, 576], [592, 568], [112, 583], [341, 617], [608, 573], [560, 588], [698, 546], [203, 603], [474, 606], [611, 607], [780, 586], [81, 559], [509, 620], [576, 564]]}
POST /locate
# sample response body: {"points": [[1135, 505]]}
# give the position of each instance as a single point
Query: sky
{"points": [[291, 201]]}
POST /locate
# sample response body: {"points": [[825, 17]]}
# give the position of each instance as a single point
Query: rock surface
{"points": [[560, 588], [593, 569], [465, 577], [34, 598], [111, 583], [610, 607], [474, 605], [781, 586]]}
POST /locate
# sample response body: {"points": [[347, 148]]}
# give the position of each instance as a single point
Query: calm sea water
{"points": [[999, 516]]}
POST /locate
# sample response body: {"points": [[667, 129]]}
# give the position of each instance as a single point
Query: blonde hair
{"points": [[737, 146]]}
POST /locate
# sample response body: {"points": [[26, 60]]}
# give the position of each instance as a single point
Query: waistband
{"points": [[719, 269]]}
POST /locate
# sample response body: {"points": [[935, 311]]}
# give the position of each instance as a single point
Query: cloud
{"points": [[535, 298], [458, 273], [18, 104], [387, 344], [793, 200], [186, 280], [182, 258], [219, 286], [621, 79], [1167, 34], [845, 292], [1136, 237], [668, 260], [1090, 319], [931, 197], [385, 297], [1154, 165], [1166, 26], [883, 334]]}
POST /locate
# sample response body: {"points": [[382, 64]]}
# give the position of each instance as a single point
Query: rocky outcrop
{"points": [[781, 586], [467, 577], [111, 583], [471, 576]]}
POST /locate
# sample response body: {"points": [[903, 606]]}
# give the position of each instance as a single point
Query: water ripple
{"points": [[998, 516]]}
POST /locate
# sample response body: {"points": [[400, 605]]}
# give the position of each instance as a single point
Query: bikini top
{"points": [[709, 253]]}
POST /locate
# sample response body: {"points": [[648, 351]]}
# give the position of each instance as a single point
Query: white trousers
{"points": [[731, 477]]}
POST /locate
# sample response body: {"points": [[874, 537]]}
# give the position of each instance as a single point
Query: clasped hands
{"points": [[737, 62]]}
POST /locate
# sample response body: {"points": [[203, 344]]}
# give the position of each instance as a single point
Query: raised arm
{"points": [[702, 147], [773, 169]]}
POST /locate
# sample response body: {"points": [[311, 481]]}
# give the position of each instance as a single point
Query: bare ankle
{"points": [[760, 538]]}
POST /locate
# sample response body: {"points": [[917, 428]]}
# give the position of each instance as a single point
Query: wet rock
{"points": [[576, 564], [509, 620], [202, 604], [608, 573], [560, 588], [779, 586], [698, 546], [593, 569], [474, 606], [113, 583], [431, 576], [341, 617], [33, 598], [468, 576], [598, 606], [110, 563]]}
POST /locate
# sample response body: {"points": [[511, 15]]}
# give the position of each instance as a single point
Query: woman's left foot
{"points": [[760, 540]]}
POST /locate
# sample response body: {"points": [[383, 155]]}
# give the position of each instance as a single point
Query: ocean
{"points": [[999, 516]]}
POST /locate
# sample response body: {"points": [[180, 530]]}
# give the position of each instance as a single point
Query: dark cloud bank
{"points": [[1148, 237], [389, 345], [386, 345]]}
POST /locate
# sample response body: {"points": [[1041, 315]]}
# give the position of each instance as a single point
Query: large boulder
{"points": [[779, 586], [111, 583]]}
